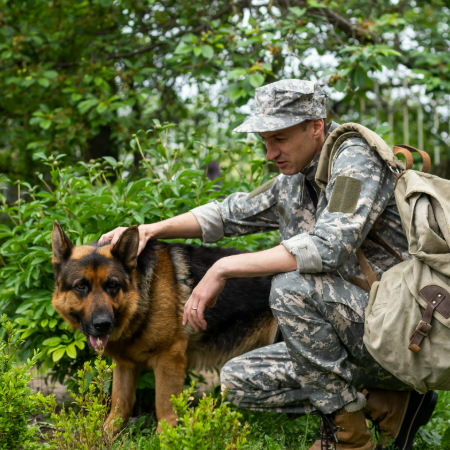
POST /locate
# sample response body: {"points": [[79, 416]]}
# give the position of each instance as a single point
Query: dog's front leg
{"points": [[170, 373], [125, 381]]}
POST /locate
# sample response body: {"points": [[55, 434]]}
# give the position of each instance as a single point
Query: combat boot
{"points": [[343, 430], [398, 415]]}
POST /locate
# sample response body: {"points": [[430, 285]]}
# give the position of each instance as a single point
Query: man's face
{"points": [[295, 147]]}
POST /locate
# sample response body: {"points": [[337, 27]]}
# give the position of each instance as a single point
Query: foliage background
{"points": [[80, 77]]}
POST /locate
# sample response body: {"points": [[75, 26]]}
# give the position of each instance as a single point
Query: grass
{"points": [[272, 431]]}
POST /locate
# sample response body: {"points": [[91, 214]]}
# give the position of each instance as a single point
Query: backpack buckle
{"points": [[423, 328]]}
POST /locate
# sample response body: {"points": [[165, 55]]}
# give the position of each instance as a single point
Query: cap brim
{"points": [[261, 124]]}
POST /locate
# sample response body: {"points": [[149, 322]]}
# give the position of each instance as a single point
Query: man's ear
{"points": [[126, 248], [61, 244], [319, 126]]}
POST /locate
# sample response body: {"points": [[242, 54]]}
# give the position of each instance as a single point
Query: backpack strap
{"points": [[368, 272], [407, 150], [365, 267], [434, 295], [379, 240]]}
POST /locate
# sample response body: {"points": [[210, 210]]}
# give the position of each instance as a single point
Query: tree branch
{"points": [[202, 27]]}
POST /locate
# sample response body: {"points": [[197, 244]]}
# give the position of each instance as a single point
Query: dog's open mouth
{"points": [[99, 342]]}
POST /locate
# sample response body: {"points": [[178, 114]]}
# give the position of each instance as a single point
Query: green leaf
{"points": [[383, 130], [58, 354], [315, 4], [111, 160], [271, 444], [80, 344], [76, 97], [53, 341], [236, 73], [340, 85], [183, 49], [359, 78], [71, 351], [256, 80], [50, 74], [45, 124], [445, 442], [147, 380], [299, 12], [44, 82], [102, 107], [49, 309], [85, 106], [207, 51], [236, 93]]}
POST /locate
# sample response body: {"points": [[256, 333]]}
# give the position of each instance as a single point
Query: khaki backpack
{"points": [[407, 323]]}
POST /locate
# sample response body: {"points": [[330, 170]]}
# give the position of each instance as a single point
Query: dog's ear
{"points": [[126, 248], [61, 244]]}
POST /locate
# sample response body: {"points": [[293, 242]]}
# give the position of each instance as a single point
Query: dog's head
{"points": [[95, 287]]}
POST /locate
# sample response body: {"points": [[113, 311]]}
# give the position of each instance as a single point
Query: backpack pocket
{"points": [[396, 312]]}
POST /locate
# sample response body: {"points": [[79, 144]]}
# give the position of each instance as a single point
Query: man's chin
{"points": [[288, 170]]}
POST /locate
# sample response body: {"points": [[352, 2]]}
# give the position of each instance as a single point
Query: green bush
{"points": [[85, 425], [207, 427], [91, 199], [17, 403]]}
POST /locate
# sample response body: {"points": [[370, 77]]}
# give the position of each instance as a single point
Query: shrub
{"points": [[17, 403], [207, 427], [91, 199], [85, 426]]}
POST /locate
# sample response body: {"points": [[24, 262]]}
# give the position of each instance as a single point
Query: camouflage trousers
{"points": [[323, 362]]}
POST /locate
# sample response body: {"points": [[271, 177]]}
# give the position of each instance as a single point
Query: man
{"points": [[322, 365]]}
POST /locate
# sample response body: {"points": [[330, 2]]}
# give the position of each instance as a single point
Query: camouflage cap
{"points": [[283, 104]]}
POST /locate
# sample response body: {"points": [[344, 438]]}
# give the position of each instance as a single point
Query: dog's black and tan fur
{"points": [[138, 302]]}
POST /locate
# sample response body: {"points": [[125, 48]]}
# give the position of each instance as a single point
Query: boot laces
{"points": [[327, 429]]}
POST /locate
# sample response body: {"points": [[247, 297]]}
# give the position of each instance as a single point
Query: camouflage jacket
{"points": [[322, 238]]}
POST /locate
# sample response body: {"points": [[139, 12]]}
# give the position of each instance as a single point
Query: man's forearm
{"points": [[184, 226], [266, 262]]}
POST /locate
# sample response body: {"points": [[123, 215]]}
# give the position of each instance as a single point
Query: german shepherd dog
{"points": [[133, 306]]}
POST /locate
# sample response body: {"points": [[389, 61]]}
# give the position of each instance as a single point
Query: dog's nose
{"points": [[103, 324]]}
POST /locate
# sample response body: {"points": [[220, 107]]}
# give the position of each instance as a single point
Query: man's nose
{"points": [[272, 152]]}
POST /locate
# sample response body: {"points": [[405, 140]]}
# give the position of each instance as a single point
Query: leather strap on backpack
{"points": [[407, 150], [368, 272], [379, 240], [365, 267], [438, 299]]}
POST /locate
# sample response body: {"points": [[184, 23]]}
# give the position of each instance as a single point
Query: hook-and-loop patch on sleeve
{"points": [[345, 195]]}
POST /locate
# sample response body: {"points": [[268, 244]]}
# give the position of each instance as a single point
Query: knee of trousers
{"points": [[289, 285], [229, 378]]}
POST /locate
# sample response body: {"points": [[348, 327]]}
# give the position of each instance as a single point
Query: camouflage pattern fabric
{"points": [[324, 243], [323, 362], [283, 104]]}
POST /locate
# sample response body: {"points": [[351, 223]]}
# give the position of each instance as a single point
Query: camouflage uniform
{"points": [[323, 362]]}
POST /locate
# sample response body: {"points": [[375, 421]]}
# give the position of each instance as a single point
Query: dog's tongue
{"points": [[98, 342]]}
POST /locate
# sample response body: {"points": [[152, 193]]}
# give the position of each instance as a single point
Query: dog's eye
{"points": [[112, 284], [80, 287]]}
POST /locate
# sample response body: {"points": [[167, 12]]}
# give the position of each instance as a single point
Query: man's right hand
{"points": [[113, 236], [184, 226]]}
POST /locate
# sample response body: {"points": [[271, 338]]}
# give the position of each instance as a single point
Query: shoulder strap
{"points": [[338, 136]]}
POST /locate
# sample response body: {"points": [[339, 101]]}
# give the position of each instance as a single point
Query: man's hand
{"points": [[267, 262], [113, 236], [205, 294], [183, 226]]}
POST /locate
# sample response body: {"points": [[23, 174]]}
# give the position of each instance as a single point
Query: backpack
{"points": [[407, 320]]}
